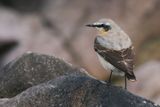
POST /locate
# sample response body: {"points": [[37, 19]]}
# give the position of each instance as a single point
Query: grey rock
{"points": [[36, 80], [31, 69], [76, 91], [3, 100]]}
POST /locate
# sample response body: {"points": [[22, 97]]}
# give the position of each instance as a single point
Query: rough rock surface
{"points": [[3, 100], [45, 81], [31, 69], [76, 91]]}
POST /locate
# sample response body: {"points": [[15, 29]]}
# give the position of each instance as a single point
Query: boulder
{"points": [[31, 69], [37, 80], [76, 91]]}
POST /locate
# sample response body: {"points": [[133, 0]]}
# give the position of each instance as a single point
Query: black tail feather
{"points": [[131, 77]]}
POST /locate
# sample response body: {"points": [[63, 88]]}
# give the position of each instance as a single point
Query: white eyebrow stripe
{"points": [[107, 23], [97, 23]]}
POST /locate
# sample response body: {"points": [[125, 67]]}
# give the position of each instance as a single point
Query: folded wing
{"points": [[121, 59]]}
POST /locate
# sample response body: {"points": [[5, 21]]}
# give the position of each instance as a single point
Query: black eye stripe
{"points": [[99, 26], [106, 27], [102, 25]]}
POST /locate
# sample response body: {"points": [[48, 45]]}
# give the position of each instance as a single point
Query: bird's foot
{"points": [[108, 83]]}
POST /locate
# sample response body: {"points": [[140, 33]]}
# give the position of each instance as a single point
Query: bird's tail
{"points": [[131, 77]]}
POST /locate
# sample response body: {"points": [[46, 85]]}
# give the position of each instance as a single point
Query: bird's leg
{"points": [[125, 82], [110, 77]]}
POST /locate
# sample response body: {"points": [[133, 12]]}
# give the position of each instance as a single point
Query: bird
{"points": [[114, 49]]}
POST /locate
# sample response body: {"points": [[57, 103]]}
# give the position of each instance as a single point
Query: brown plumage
{"points": [[114, 49], [120, 59]]}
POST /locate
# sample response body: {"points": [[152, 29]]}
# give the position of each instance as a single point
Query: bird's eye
{"points": [[106, 27]]}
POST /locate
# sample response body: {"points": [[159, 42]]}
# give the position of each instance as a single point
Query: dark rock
{"points": [[76, 91], [24, 5], [5, 47], [58, 84], [31, 69]]}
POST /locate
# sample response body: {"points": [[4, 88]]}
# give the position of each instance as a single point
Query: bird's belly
{"points": [[106, 65]]}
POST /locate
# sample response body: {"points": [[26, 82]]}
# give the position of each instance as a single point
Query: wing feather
{"points": [[121, 59]]}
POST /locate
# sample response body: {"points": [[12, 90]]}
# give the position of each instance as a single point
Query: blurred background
{"points": [[57, 28]]}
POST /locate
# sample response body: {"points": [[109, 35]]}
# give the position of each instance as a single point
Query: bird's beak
{"points": [[90, 25]]}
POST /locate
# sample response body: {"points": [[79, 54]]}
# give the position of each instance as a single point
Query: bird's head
{"points": [[103, 26]]}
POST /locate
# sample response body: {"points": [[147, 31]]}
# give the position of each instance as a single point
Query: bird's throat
{"points": [[102, 32]]}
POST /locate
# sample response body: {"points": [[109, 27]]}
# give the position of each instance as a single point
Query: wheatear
{"points": [[114, 49]]}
